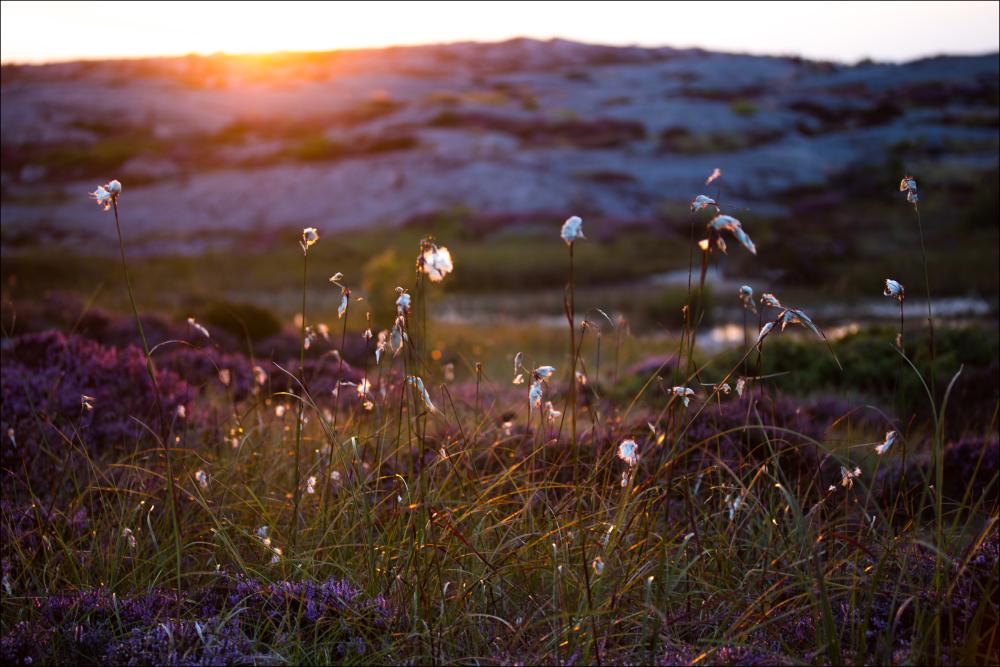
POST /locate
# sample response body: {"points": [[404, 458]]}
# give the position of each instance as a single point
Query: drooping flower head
{"points": [[894, 289], [768, 299], [107, 194], [721, 223], [309, 237], [628, 451], [701, 202], [572, 230], [418, 383], [198, 327], [434, 261]]}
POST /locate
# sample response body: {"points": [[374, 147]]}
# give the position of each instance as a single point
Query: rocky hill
{"points": [[213, 149]]}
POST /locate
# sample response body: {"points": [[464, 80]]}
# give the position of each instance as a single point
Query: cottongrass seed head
{"points": [[435, 261], [572, 230], [746, 297], [701, 202], [309, 237], [628, 451], [890, 440], [107, 194], [894, 289]]}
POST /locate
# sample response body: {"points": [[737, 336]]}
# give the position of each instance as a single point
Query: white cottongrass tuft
{"points": [[202, 477], [396, 338], [129, 537], [909, 186], [342, 309], [572, 230], [551, 413], [309, 237], [544, 372], [847, 477], [628, 451], [598, 565], [107, 194], [198, 327], [311, 484], [534, 396], [684, 393], [259, 376], [419, 384], [716, 174], [894, 289], [764, 330], [403, 301], [728, 223], [746, 297], [768, 299], [734, 504], [890, 440], [436, 262], [225, 376], [87, 402], [701, 202]]}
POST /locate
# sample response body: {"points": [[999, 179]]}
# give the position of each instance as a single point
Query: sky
{"points": [[839, 31]]}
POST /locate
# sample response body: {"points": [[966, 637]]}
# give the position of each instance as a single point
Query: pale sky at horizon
{"points": [[840, 31]]}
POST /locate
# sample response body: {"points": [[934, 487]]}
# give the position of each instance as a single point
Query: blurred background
{"points": [[486, 125]]}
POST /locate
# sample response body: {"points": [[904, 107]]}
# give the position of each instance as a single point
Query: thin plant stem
{"points": [[571, 316], [302, 404], [164, 436]]}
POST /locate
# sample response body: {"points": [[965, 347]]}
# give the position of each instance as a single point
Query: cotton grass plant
{"points": [[399, 519]]}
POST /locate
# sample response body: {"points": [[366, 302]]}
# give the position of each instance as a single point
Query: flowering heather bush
{"points": [[219, 626], [42, 381], [971, 465], [333, 608]]}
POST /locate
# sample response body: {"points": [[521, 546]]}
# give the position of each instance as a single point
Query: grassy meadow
{"points": [[242, 457]]}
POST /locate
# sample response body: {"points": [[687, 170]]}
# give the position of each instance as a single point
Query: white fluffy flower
{"points": [[684, 393], [768, 299], [309, 237], [894, 289], [403, 301], [890, 440], [311, 484], [628, 451], [106, 195], [728, 223], [198, 327], [702, 202], [847, 477], [572, 230], [436, 262], [202, 477], [544, 372], [746, 297]]}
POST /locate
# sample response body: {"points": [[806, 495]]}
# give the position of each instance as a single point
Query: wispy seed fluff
{"points": [[309, 237], [894, 289], [435, 261], [572, 230], [107, 194]]}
